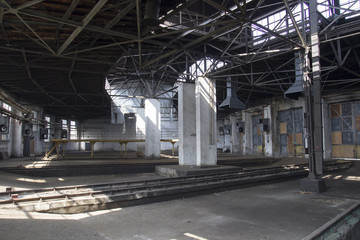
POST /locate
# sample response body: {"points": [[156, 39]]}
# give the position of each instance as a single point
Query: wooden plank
{"points": [[259, 150], [357, 152], [299, 150], [335, 110], [336, 138], [337, 151], [299, 138], [283, 129], [357, 122], [348, 151]]}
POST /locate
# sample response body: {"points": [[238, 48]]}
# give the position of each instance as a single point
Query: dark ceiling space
{"points": [[56, 54]]}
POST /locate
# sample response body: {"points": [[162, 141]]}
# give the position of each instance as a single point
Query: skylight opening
{"points": [[279, 22], [350, 7]]}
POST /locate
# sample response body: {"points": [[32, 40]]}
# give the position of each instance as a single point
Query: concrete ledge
{"points": [[345, 226], [182, 170]]}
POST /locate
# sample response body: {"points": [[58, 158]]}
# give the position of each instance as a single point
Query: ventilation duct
{"points": [[231, 101], [152, 10], [296, 90]]}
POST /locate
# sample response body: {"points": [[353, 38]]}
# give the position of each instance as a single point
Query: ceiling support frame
{"points": [[84, 23]]}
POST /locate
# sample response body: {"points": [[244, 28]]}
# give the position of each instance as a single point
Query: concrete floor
{"points": [[270, 211]]}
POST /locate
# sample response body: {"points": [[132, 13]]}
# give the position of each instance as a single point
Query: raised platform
{"points": [[182, 171]]}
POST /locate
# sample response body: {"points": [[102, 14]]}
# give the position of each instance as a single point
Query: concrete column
{"points": [[140, 129], [268, 135], [152, 129], [16, 136], [205, 98], [38, 143], [187, 124], [130, 130], [235, 135], [247, 138]]}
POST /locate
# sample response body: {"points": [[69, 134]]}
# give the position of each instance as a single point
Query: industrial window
{"points": [[345, 129], [349, 8], [279, 22], [47, 126], [73, 130], [64, 128], [291, 132], [6, 137], [64, 124]]}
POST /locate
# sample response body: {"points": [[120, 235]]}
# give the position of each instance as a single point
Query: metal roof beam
{"points": [[28, 4], [74, 24], [294, 23], [85, 22], [36, 83], [56, 56], [196, 41]]}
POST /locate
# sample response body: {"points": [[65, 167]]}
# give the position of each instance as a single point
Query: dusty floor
{"points": [[270, 211]]}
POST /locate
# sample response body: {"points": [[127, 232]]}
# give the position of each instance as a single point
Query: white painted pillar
{"points": [[187, 124], [140, 130], [130, 130], [205, 98], [247, 138], [16, 137], [268, 135], [235, 135], [152, 129]]}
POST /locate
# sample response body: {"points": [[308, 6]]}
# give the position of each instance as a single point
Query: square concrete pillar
{"points": [[15, 136], [140, 131], [187, 124], [205, 98], [235, 135], [152, 129], [268, 135], [130, 130]]}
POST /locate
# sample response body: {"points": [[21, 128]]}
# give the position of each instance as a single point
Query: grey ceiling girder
{"points": [[56, 56], [265, 75], [32, 30], [138, 22], [28, 36], [84, 23], [289, 12], [72, 83], [75, 24], [340, 66], [2, 25], [196, 41], [28, 4], [36, 83], [252, 22], [120, 15], [67, 14]]}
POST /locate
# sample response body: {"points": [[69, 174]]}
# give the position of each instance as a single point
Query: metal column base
{"points": [[312, 185]]}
